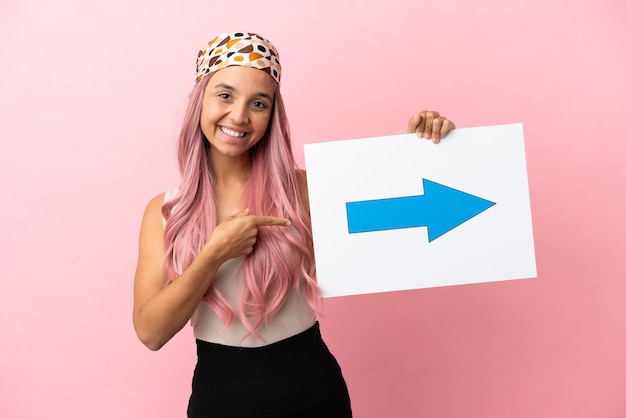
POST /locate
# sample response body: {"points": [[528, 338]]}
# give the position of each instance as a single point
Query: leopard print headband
{"points": [[238, 48]]}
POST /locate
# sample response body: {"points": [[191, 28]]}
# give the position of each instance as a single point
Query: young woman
{"points": [[231, 250]]}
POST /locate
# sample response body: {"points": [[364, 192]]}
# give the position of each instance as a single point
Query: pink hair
{"points": [[282, 257]]}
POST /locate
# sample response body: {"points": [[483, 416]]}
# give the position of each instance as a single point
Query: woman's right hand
{"points": [[236, 235], [160, 310]]}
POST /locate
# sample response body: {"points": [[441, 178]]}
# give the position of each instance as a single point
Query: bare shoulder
{"points": [[154, 206], [152, 224], [151, 238], [150, 276], [304, 190]]}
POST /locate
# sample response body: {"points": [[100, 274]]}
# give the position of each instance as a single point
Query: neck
{"points": [[229, 170]]}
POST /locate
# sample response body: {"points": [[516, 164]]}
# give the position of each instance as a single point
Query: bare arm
{"points": [[304, 190], [161, 311]]}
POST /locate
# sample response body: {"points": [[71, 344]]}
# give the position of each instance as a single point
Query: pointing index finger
{"points": [[270, 221]]}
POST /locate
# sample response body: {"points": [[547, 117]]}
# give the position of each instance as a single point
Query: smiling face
{"points": [[236, 110]]}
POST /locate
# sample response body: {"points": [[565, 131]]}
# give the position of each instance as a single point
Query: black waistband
{"points": [[268, 360]]}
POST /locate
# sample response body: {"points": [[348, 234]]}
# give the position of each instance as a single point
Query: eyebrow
{"points": [[231, 88]]}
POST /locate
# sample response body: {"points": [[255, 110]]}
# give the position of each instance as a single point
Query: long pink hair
{"points": [[283, 257]]}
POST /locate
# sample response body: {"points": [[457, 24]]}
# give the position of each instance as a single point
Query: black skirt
{"points": [[295, 377]]}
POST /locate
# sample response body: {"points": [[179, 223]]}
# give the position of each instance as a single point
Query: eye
{"points": [[224, 96], [259, 105]]}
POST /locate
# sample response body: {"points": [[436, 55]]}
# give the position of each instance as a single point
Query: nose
{"points": [[239, 112]]}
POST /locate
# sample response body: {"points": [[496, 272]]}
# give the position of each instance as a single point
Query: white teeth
{"points": [[230, 132]]}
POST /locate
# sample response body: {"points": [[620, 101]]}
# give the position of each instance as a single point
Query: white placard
{"points": [[485, 164]]}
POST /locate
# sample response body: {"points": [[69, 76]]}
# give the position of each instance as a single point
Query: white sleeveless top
{"points": [[294, 317]]}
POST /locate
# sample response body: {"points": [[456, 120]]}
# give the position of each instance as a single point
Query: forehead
{"points": [[243, 79]]}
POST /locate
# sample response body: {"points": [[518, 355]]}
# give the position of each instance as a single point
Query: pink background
{"points": [[91, 95]]}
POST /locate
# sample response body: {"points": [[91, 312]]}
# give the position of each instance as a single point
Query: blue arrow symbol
{"points": [[440, 209]]}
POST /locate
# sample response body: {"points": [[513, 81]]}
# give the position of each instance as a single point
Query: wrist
{"points": [[211, 253]]}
